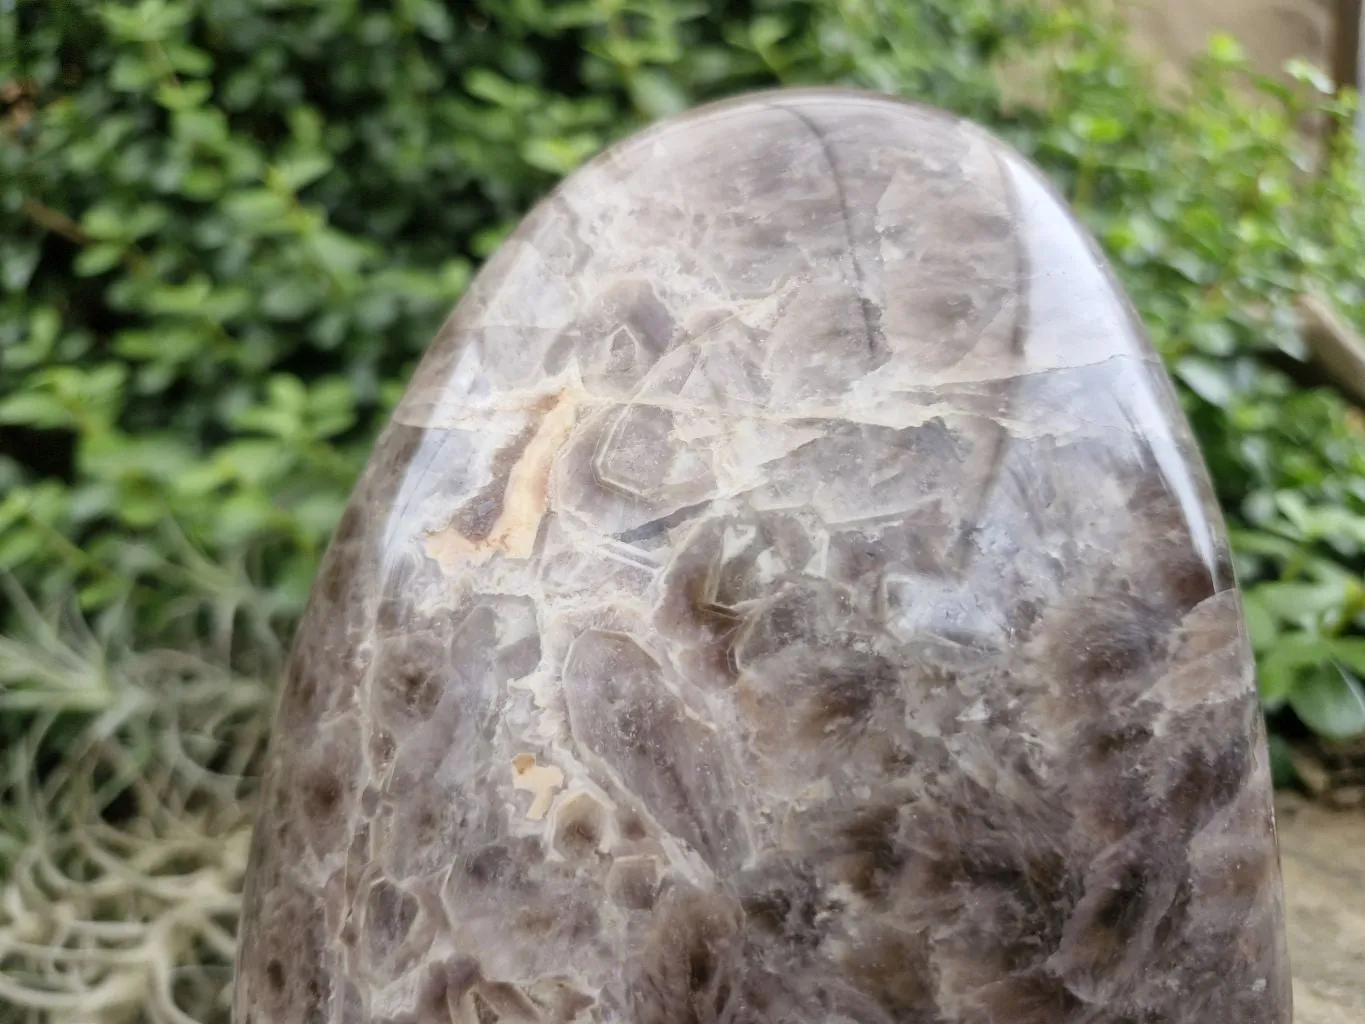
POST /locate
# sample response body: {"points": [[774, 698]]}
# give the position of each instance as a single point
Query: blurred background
{"points": [[228, 228]]}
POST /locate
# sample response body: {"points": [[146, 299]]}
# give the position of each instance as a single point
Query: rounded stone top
{"points": [[805, 254], [817, 243]]}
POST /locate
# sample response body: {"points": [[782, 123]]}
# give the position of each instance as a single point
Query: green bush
{"points": [[229, 227]]}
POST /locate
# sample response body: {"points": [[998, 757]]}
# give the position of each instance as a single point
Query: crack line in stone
{"points": [[870, 317]]}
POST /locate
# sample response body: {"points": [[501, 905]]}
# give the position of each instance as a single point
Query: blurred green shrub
{"points": [[229, 227]]}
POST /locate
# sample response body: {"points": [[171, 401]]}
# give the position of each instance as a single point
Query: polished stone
{"points": [[788, 592]]}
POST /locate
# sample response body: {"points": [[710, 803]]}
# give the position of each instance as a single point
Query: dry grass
{"points": [[126, 794]]}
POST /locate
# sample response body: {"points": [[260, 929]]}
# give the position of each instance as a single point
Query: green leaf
{"points": [[140, 506], [44, 329], [1311, 75], [34, 409], [1331, 702], [290, 299], [18, 260], [179, 299], [490, 86], [199, 125], [183, 96], [103, 592], [133, 72], [1097, 130], [148, 21], [1293, 602], [202, 183], [257, 207], [767, 30], [296, 172], [245, 516], [559, 155], [1350, 651], [1224, 49], [253, 461], [187, 59], [1207, 379], [1261, 625], [149, 456], [318, 514], [98, 259], [433, 19], [288, 392], [104, 222], [1288, 662], [339, 254], [1213, 338], [655, 94], [18, 547]]}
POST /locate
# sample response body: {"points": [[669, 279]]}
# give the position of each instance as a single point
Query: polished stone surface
{"points": [[788, 592]]}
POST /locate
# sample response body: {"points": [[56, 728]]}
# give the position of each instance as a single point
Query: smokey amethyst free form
{"points": [[788, 592]]}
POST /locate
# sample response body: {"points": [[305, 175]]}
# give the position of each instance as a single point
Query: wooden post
{"points": [[1346, 45], [1345, 68]]}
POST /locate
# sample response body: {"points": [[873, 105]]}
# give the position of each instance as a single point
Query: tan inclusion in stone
{"points": [[788, 593]]}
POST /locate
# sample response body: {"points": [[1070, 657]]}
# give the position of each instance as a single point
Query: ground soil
{"points": [[1323, 855]]}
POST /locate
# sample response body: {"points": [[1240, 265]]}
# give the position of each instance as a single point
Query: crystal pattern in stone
{"points": [[787, 594]]}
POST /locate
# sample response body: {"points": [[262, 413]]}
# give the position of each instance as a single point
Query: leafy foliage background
{"points": [[229, 227]]}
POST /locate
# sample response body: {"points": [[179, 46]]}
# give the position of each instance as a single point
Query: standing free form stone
{"points": [[787, 593]]}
